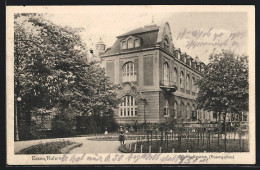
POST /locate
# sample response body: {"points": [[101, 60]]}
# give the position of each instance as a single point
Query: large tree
{"points": [[224, 86], [52, 71]]}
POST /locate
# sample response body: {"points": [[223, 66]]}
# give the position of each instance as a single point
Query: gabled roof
{"points": [[139, 30]]}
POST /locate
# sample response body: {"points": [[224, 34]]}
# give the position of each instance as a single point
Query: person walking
{"points": [[121, 137]]}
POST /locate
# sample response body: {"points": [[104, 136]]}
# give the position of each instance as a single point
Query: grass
{"points": [[232, 145], [47, 148], [115, 138]]}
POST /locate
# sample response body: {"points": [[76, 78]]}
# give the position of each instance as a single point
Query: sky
{"points": [[198, 33]]}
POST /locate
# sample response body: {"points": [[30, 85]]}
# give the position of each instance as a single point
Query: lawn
{"points": [[115, 137], [58, 147], [192, 145]]}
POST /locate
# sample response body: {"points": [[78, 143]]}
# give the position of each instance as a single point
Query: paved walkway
{"points": [[88, 146], [91, 146]]}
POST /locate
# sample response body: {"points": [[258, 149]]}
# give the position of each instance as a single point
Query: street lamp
{"points": [[16, 119]]}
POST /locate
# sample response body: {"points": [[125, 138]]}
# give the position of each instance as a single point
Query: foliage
{"points": [[46, 148], [62, 123], [224, 86], [51, 71], [32, 132]]}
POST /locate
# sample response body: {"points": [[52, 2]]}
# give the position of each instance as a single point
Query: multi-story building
{"points": [[157, 81]]}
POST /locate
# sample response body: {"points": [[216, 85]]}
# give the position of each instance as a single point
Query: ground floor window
{"points": [[194, 115], [128, 107], [215, 115]]}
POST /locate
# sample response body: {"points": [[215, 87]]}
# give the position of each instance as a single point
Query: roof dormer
{"points": [[130, 42]]}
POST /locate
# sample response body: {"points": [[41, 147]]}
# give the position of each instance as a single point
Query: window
{"points": [[175, 108], [166, 108], [197, 85], [194, 113], [128, 107], [198, 68], [175, 73], [129, 72], [137, 43], [215, 115], [188, 82], [188, 111], [130, 43], [188, 62], [182, 80], [178, 54], [124, 46], [181, 111], [184, 58], [166, 74], [194, 87]]}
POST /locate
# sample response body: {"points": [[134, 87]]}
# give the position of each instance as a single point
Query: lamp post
{"points": [[18, 99]]}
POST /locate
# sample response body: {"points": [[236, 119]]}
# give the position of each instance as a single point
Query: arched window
{"points": [[184, 58], [130, 43], [195, 64], [178, 55], [137, 43], [188, 62], [166, 74], [194, 87], [188, 111], [124, 46], [182, 80], [198, 68], [166, 108], [128, 107], [129, 72], [197, 85], [175, 108], [188, 82], [194, 113], [175, 75], [181, 111]]}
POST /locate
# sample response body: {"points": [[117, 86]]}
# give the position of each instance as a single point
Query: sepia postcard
{"points": [[134, 85]]}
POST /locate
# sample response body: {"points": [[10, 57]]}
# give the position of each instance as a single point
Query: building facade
{"points": [[157, 82]]}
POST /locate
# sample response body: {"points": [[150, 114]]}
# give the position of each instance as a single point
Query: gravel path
{"points": [[88, 146], [91, 146]]}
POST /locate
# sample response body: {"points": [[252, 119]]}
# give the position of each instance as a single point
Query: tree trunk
{"points": [[219, 126], [225, 132]]}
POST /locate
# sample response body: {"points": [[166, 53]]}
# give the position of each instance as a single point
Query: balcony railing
{"points": [[129, 78], [168, 84]]}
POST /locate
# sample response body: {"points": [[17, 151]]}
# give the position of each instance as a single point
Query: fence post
{"points": [[187, 151], [160, 149], [151, 137], [135, 148], [141, 148], [148, 137], [150, 149], [167, 140], [172, 150], [130, 145], [209, 139]]}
